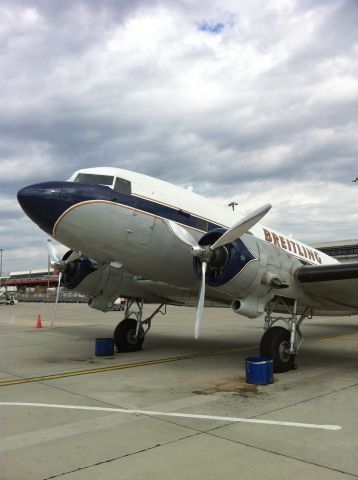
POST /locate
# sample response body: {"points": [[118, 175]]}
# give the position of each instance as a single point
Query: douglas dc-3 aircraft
{"points": [[138, 237]]}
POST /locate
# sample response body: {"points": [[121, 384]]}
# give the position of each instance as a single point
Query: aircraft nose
{"points": [[44, 203]]}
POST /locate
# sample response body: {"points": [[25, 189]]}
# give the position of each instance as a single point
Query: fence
{"points": [[50, 297]]}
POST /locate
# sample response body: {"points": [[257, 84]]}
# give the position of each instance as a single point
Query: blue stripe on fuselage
{"points": [[161, 210], [44, 203]]}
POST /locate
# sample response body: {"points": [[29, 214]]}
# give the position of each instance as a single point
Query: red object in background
{"points": [[39, 323]]}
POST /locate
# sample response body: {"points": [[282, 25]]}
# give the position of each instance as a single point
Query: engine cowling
{"points": [[233, 267], [249, 270], [100, 284], [76, 271]]}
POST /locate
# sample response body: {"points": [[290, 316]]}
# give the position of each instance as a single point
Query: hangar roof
{"points": [[336, 243]]}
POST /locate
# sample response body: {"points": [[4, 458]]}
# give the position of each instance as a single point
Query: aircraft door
{"points": [[140, 228]]}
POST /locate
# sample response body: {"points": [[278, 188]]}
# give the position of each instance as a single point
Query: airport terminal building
{"points": [[32, 280], [343, 250]]}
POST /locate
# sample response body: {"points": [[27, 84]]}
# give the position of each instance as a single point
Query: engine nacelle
{"points": [[76, 271], [228, 261], [101, 284], [250, 270], [234, 267]]}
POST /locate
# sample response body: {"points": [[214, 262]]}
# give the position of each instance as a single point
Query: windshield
{"points": [[92, 179]]}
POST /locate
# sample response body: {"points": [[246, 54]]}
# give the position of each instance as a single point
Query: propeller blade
{"points": [[56, 301], [241, 227], [181, 233], [54, 257], [74, 256], [200, 307], [236, 231]]}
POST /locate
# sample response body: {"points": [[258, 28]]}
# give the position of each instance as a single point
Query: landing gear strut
{"points": [[282, 344], [129, 334]]}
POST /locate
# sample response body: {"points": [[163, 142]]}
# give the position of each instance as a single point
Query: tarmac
{"points": [[180, 408]]}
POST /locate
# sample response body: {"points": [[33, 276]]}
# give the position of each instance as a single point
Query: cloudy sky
{"points": [[249, 101]]}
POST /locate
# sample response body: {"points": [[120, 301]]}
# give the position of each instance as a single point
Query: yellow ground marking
{"points": [[123, 366], [350, 334], [158, 361]]}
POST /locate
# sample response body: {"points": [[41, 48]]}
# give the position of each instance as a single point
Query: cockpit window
{"points": [[201, 224], [123, 186], [91, 179]]}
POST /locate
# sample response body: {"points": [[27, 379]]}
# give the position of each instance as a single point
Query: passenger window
{"points": [[123, 186], [201, 224]]}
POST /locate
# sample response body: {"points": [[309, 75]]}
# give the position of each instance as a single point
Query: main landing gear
{"points": [[129, 334], [279, 343]]}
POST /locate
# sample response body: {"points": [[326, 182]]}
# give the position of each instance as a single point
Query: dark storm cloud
{"points": [[237, 99]]}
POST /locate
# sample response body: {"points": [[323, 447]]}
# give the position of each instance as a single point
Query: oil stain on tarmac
{"points": [[233, 386]]}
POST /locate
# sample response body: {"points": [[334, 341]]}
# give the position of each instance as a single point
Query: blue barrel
{"points": [[104, 346], [259, 370]]}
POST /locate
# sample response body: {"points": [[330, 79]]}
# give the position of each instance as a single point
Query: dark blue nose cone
{"points": [[44, 203]]}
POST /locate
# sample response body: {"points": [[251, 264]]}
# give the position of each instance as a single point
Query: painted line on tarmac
{"points": [[172, 414], [350, 334], [158, 361], [122, 366]]}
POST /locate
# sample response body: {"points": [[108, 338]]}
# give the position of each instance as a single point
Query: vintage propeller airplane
{"points": [[146, 240]]}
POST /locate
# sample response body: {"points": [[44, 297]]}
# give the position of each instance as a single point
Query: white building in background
{"points": [[38, 280]]}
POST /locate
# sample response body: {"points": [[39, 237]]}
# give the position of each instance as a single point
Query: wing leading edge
{"points": [[335, 284]]}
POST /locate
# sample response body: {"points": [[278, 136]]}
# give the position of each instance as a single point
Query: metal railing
{"points": [[64, 297]]}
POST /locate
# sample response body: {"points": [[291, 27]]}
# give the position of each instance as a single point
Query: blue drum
{"points": [[259, 370], [104, 346]]}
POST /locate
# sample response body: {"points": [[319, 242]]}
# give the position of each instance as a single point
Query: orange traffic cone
{"points": [[39, 323]]}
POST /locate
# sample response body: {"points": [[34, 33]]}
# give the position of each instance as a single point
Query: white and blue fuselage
{"points": [[116, 217], [144, 239]]}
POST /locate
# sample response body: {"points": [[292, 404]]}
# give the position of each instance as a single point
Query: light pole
{"points": [[48, 272], [233, 205], [1, 250]]}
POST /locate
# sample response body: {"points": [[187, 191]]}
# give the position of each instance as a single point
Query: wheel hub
{"points": [[284, 351], [131, 337]]}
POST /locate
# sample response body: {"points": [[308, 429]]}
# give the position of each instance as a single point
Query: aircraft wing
{"points": [[335, 284]]}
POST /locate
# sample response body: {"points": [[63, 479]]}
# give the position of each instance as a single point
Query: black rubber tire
{"points": [[124, 336], [271, 346], [12, 302]]}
